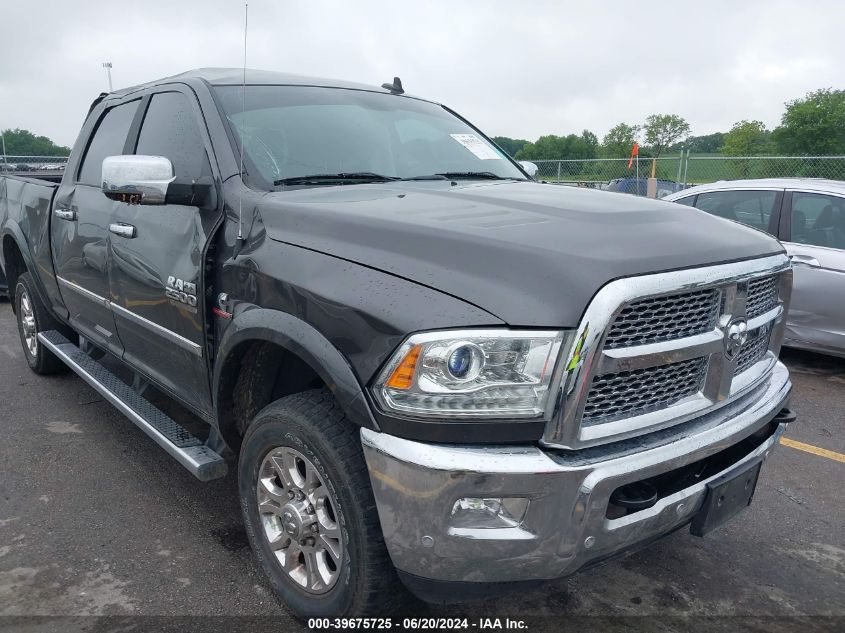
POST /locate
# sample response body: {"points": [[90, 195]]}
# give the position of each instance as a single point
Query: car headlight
{"points": [[471, 373]]}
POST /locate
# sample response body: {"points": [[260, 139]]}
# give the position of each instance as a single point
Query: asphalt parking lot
{"points": [[95, 519]]}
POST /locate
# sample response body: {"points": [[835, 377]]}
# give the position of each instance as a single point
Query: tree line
{"points": [[810, 126], [24, 143]]}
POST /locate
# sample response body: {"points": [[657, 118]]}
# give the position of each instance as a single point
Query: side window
{"points": [[108, 140], [170, 130], [753, 208], [689, 200], [818, 219]]}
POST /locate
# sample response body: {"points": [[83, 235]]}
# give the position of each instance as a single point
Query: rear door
{"points": [[813, 232], [157, 261], [79, 231]]}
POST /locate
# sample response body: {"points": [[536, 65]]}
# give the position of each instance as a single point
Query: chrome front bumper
{"points": [[565, 526]]}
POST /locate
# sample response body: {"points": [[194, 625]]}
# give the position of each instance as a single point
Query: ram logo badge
{"points": [[182, 291]]}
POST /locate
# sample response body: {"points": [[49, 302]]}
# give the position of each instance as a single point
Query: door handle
{"points": [[804, 260], [123, 230], [65, 214]]}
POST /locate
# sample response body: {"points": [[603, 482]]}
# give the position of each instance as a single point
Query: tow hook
{"points": [[785, 416], [635, 496]]}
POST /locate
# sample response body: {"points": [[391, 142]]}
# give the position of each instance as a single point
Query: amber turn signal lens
{"points": [[403, 376]]}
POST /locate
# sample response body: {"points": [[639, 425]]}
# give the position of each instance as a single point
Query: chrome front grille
{"points": [[656, 350], [627, 393], [762, 295], [665, 318], [752, 351]]}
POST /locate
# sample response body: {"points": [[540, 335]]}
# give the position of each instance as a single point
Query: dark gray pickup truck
{"points": [[424, 366]]}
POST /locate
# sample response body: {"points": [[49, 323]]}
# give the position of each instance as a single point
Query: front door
{"points": [[157, 258], [79, 232], [815, 240]]}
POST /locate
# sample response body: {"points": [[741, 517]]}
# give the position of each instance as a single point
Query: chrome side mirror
{"points": [[137, 179], [529, 167]]}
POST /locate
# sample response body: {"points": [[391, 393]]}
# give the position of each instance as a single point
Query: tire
{"points": [[312, 426], [33, 317]]}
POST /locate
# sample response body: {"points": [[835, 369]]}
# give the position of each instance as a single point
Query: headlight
{"points": [[471, 373]]}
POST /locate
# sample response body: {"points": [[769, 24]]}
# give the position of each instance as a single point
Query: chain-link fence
{"points": [[600, 172], [704, 169], [686, 170], [28, 164]]}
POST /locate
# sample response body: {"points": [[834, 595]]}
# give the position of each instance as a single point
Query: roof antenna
{"points": [[396, 87], [243, 136]]}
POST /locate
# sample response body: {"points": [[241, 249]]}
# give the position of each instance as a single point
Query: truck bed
{"points": [[25, 199], [25, 206], [53, 175]]}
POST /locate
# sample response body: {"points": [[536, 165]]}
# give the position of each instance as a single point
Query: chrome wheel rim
{"points": [[299, 517], [30, 329]]}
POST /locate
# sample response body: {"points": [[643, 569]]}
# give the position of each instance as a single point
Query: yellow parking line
{"points": [[815, 450]]}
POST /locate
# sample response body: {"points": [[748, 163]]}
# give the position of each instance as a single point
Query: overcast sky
{"points": [[517, 69]]}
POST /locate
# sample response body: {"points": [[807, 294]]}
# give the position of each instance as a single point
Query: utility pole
{"points": [[107, 66], [3, 139]]}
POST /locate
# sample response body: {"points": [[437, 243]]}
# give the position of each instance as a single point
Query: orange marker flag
{"points": [[635, 151]]}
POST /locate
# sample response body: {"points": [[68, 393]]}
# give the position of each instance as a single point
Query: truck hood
{"points": [[530, 254]]}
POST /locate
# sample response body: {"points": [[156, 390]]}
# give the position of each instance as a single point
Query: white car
{"points": [[808, 216]]}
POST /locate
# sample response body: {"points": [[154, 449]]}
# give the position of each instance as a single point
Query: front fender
{"points": [[300, 338]]}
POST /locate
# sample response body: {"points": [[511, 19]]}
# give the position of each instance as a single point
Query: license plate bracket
{"points": [[726, 497]]}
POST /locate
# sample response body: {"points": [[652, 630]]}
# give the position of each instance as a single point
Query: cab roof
{"points": [[235, 76]]}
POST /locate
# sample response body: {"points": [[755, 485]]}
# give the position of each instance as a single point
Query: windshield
{"points": [[293, 132]]}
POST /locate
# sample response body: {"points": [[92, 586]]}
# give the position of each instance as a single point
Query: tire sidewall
{"points": [[21, 287], [271, 430]]}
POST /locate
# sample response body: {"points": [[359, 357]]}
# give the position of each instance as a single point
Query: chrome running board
{"points": [[190, 451]]}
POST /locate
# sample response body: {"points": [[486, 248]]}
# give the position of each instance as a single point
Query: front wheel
{"points": [[310, 513]]}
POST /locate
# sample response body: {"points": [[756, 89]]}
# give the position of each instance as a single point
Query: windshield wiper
{"points": [[354, 176], [428, 177], [486, 175], [368, 176]]}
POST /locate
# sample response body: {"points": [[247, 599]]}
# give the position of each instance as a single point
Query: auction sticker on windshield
{"points": [[478, 147]]}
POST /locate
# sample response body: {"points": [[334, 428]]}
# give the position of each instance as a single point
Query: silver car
{"points": [[808, 216]]}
